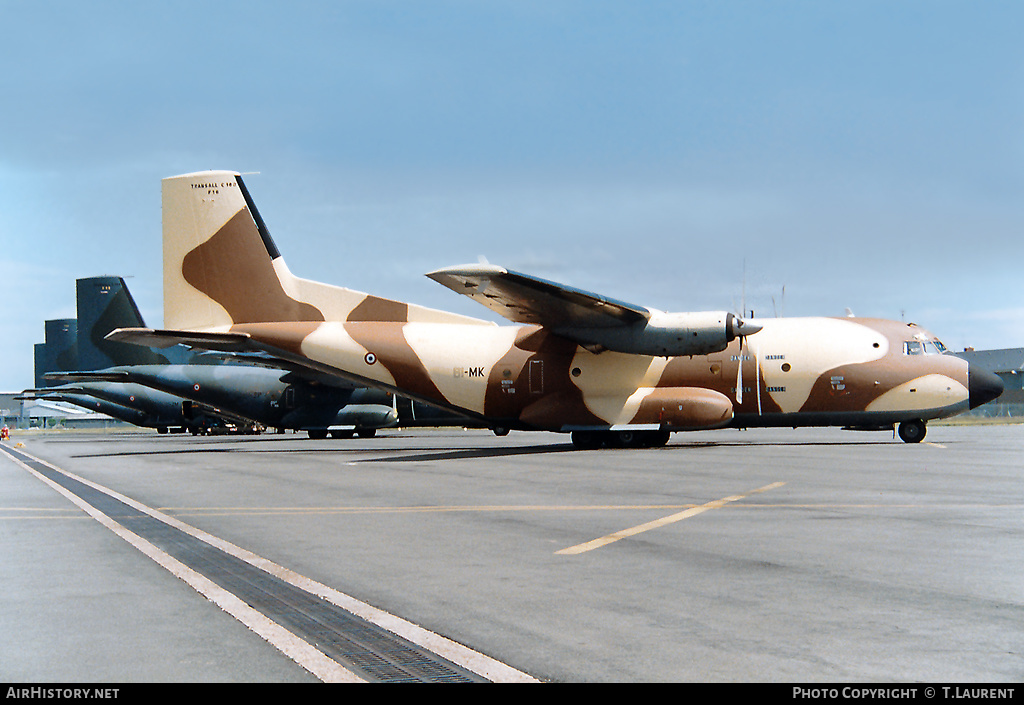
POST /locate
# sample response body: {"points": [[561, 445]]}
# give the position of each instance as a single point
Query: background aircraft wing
{"points": [[89, 376], [295, 371], [522, 298]]}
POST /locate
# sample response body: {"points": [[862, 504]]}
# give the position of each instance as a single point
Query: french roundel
{"points": [[370, 358]]}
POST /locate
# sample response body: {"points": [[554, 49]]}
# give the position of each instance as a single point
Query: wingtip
{"points": [[465, 270]]}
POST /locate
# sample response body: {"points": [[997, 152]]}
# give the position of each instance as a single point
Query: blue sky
{"points": [[678, 155]]}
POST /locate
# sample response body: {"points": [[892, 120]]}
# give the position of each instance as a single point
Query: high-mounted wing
{"points": [[593, 321], [522, 298]]}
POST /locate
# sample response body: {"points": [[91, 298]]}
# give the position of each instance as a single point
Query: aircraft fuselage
{"points": [[795, 372]]}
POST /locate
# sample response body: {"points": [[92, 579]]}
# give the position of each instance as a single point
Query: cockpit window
{"points": [[923, 347]]}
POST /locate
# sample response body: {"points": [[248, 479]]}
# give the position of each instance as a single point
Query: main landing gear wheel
{"points": [[637, 439], [588, 440], [912, 431]]}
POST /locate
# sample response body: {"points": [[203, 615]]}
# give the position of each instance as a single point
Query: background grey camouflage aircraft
{"points": [[78, 345], [128, 414], [269, 397], [607, 372], [146, 407]]}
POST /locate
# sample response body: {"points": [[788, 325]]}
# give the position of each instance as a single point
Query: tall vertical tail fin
{"points": [[220, 265], [222, 269]]}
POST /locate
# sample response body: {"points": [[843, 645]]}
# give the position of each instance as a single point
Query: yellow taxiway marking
{"points": [[671, 519]]}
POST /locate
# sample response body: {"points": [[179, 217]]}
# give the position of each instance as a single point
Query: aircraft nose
{"points": [[983, 386]]}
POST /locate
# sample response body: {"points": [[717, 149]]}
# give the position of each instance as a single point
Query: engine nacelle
{"points": [[666, 334]]}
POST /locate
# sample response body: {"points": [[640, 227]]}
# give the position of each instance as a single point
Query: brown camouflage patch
{"points": [[236, 254], [373, 308], [544, 397], [387, 344], [287, 336]]}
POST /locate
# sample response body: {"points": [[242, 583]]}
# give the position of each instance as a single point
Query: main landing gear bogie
{"points": [[590, 440], [319, 434]]}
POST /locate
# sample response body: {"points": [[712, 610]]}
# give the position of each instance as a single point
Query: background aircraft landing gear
{"points": [[912, 431]]}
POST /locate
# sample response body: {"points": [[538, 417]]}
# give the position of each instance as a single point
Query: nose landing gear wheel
{"points": [[912, 431]]}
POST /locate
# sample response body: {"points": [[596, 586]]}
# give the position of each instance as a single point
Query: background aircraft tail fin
{"points": [[76, 344], [59, 352], [104, 304]]}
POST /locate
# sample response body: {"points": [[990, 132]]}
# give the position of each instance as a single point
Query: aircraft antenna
{"points": [[743, 290]]}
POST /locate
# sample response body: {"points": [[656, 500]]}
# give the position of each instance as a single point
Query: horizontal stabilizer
{"points": [[154, 338]]}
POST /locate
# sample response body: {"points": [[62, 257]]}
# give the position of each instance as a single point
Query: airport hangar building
{"points": [[1008, 363]]}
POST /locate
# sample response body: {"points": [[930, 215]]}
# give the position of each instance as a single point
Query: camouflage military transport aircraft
{"points": [[608, 372]]}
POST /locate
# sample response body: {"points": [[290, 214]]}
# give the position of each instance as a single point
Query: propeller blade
{"points": [[757, 377], [739, 375]]}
